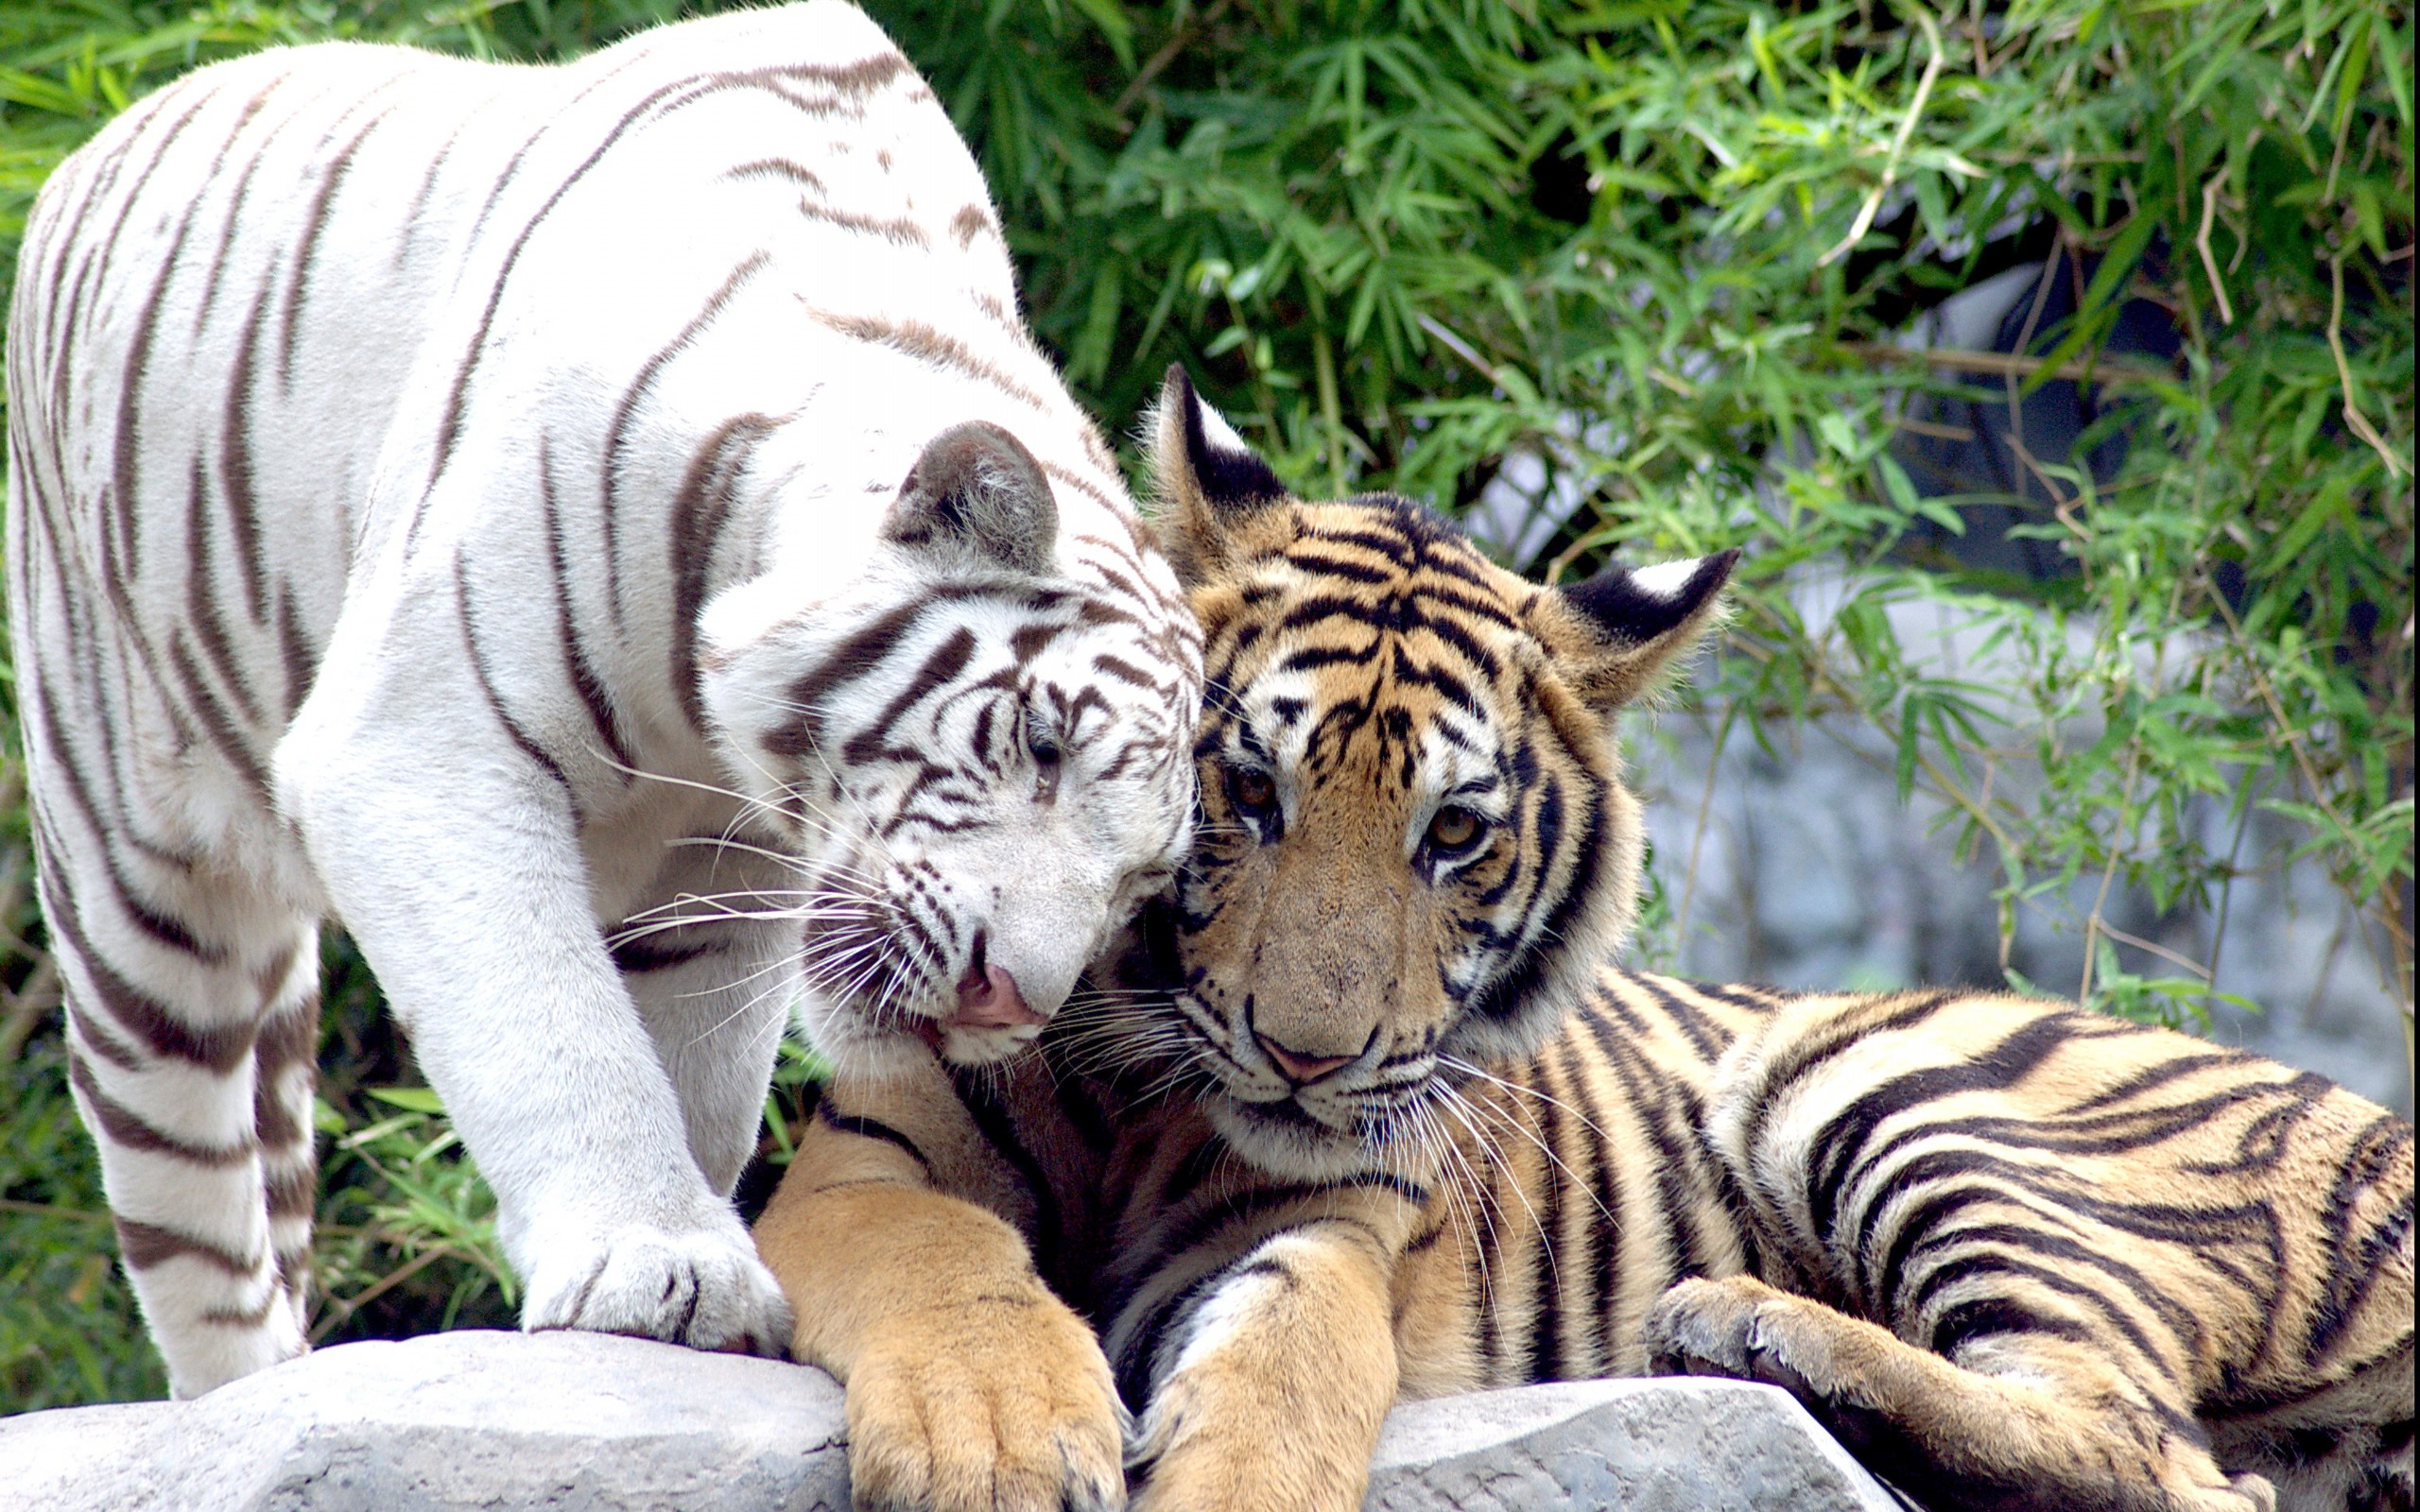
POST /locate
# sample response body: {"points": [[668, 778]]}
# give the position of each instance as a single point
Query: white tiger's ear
{"points": [[1632, 624], [976, 498], [1209, 482]]}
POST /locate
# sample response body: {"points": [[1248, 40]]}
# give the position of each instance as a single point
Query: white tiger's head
{"points": [[982, 751]]}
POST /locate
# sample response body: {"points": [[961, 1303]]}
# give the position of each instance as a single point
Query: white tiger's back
{"points": [[441, 491], [346, 268]]}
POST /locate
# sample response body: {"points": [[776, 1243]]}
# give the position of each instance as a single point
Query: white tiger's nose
{"points": [[988, 996]]}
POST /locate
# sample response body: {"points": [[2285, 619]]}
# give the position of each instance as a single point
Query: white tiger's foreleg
{"points": [[711, 964], [191, 1034], [469, 896]]}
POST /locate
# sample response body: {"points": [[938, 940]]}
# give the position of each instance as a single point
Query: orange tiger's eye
{"points": [[1254, 790], [1453, 828]]}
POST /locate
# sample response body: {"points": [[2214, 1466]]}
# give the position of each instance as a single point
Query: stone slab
{"points": [[577, 1422], [1617, 1446], [583, 1422]]}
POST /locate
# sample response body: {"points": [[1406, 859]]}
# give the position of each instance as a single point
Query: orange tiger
{"points": [[1364, 1111]]}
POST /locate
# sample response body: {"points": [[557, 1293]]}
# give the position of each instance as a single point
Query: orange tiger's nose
{"points": [[1299, 1069]]}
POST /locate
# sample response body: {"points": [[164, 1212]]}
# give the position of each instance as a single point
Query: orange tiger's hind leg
{"points": [[2018, 1422], [2348, 1447]]}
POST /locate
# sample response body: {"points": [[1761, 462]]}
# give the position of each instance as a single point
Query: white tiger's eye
{"points": [[1044, 749], [1455, 828]]}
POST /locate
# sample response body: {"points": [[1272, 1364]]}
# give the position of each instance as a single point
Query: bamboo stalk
{"points": [[2010, 364]]}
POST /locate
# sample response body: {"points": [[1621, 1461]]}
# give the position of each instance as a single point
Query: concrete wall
{"points": [[1810, 873]]}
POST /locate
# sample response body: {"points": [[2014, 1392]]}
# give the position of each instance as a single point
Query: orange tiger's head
{"points": [[1414, 847]]}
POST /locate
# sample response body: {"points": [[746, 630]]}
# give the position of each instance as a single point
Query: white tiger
{"points": [[466, 500]]}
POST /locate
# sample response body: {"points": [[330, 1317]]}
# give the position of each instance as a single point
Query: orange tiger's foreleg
{"points": [[1273, 1377], [2035, 1421], [971, 1388]]}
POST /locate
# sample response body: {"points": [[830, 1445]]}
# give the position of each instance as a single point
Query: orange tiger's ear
{"points": [[1617, 633], [977, 499], [1210, 484]]}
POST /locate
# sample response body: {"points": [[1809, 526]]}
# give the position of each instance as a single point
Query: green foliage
{"points": [[1668, 249], [68, 1330], [1667, 252]]}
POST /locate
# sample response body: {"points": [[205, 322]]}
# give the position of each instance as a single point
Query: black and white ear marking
{"points": [[1634, 605], [1227, 475], [976, 497], [1210, 484], [1635, 625]]}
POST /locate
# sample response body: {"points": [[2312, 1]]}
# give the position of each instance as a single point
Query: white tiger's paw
{"points": [[704, 1288]]}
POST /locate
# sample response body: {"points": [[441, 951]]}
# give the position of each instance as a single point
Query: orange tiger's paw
{"points": [[1213, 1443], [1737, 1327], [1921, 1420], [1208, 1476], [1005, 1407]]}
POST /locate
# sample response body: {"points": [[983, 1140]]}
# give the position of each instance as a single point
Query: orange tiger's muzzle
{"points": [[1335, 966]]}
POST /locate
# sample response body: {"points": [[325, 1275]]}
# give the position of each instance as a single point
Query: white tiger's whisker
{"points": [[748, 848], [743, 1010], [746, 802]]}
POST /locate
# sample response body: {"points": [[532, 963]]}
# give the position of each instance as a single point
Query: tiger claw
{"points": [[704, 1288], [1700, 1327], [1015, 1419]]}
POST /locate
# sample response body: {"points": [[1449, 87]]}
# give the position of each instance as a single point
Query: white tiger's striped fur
{"points": [[434, 486]]}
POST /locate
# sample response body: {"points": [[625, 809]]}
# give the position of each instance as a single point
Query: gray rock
{"points": [[586, 1422], [1617, 1446], [581, 1422]]}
